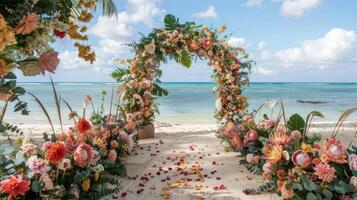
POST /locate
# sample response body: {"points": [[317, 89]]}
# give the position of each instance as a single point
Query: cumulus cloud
{"points": [[237, 42], [337, 46], [252, 3], [209, 13], [265, 71], [298, 8]]}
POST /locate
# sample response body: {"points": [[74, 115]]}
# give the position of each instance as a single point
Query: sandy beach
{"points": [[187, 161]]}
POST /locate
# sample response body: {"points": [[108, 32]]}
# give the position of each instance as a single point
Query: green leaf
{"points": [[171, 22], [186, 59], [119, 73], [308, 185], [10, 75], [19, 158], [19, 90], [327, 193], [36, 186], [342, 187], [159, 91], [296, 122], [311, 196]]}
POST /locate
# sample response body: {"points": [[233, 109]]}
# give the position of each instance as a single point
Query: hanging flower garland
{"points": [[27, 28], [183, 43]]}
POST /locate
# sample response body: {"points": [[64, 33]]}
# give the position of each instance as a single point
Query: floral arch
{"points": [[184, 43]]}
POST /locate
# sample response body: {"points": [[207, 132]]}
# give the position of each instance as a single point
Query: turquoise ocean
{"points": [[193, 102]]}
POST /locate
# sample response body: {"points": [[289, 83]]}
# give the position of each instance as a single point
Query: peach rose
{"points": [[112, 155]]}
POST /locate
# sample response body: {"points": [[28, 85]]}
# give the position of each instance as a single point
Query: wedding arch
{"points": [[183, 43]]}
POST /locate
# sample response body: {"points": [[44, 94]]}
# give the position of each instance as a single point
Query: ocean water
{"points": [[193, 103]]}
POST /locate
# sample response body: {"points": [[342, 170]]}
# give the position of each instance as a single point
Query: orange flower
{"points": [[273, 153], [285, 193], [27, 24], [333, 151], [83, 125], [279, 137], [55, 153], [14, 186]]}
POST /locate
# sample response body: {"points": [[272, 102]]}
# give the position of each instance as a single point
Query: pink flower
{"points": [[269, 123], [352, 161], [324, 172], [267, 168], [27, 24], [49, 61], [46, 180], [295, 135], [354, 182], [46, 145], [112, 155], [333, 151], [285, 193], [28, 148], [301, 159], [83, 155], [252, 136], [38, 165], [64, 164]]}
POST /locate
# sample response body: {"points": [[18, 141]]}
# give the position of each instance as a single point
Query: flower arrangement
{"points": [[28, 27], [77, 164], [296, 165], [182, 42]]}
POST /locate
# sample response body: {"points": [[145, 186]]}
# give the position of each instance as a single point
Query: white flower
{"points": [[64, 164], [218, 104]]}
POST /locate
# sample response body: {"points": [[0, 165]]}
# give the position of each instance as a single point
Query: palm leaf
{"points": [[159, 91], [119, 73], [108, 7], [340, 121], [44, 110], [58, 103]]}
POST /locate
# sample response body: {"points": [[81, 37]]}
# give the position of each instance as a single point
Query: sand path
{"points": [[186, 165]]}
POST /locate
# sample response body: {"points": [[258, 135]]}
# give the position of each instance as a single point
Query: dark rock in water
{"points": [[311, 101]]}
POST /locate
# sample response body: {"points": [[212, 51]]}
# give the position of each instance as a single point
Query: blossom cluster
{"points": [[70, 165], [298, 165], [183, 42]]}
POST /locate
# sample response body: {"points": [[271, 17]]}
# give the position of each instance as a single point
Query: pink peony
{"points": [[324, 172], [46, 145], [65, 164], [252, 136], [28, 148], [301, 159], [267, 168], [38, 165], [112, 155], [49, 61], [27, 24], [352, 161], [269, 123], [47, 182], [354, 182], [83, 155], [295, 135]]}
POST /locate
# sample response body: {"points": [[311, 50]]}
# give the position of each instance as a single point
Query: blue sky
{"points": [[290, 40]]}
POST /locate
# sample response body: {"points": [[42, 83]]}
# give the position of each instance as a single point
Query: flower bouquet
{"points": [[77, 164], [298, 165]]}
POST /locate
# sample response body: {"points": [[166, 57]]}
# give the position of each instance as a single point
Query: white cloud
{"points": [[265, 71], [209, 13], [338, 46], [262, 45], [253, 3], [237, 42], [298, 8]]}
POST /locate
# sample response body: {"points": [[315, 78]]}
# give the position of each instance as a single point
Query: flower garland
{"points": [[183, 42]]}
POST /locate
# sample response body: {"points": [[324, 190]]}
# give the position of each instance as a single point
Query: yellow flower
{"points": [[86, 185], [273, 153], [306, 147], [96, 176]]}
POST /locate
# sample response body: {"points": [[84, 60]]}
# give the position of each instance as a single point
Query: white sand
{"points": [[194, 145]]}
